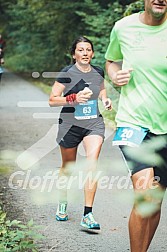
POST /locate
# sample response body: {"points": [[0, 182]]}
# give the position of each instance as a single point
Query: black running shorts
{"points": [[71, 137], [153, 154]]}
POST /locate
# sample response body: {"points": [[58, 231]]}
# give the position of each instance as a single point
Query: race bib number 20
{"points": [[129, 136]]}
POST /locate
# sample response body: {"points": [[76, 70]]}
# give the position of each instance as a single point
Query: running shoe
{"points": [[61, 214], [89, 222]]}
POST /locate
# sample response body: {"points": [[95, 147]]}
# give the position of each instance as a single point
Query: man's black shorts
{"points": [[151, 153]]}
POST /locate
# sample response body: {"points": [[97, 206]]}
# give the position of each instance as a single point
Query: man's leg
{"points": [[142, 229]]}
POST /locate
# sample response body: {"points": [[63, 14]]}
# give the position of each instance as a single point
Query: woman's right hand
{"points": [[82, 98]]}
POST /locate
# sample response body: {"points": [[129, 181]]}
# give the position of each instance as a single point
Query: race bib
{"points": [[129, 136], [86, 110], [1, 70]]}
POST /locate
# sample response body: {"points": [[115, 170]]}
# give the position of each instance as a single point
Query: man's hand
{"points": [[122, 77]]}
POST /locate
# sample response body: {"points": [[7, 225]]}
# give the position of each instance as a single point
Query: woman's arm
{"points": [[56, 98]]}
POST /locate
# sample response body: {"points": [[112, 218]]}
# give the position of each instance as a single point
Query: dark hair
{"points": [[78, 40]]}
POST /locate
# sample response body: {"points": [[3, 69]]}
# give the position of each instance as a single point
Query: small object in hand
{"points": [[87, 91], [106, 103]]}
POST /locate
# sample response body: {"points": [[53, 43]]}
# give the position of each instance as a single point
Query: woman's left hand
{"points": [[107, 103]]}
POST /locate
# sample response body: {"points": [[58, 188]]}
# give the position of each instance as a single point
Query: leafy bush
{"points": [[15, 236], [134, 7]]}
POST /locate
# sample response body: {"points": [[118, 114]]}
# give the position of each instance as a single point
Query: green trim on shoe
{"points": [[61, 214], [89, 222]]}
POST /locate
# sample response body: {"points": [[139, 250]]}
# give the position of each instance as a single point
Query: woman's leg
{"points": [[92, 145], [68, 155]]}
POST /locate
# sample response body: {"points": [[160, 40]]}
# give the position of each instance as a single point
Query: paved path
{"points": [[28, 138]]}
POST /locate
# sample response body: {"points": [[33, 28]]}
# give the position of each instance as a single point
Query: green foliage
{"points": [[39, 34], [148, 202], [15, 236], [98, 24], [134, 7], [4, 169]]}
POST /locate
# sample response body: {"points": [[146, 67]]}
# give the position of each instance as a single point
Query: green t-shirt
{"points": [[143, 101]]}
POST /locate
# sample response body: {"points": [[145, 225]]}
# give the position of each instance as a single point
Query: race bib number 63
{"points": [[86, 110]]}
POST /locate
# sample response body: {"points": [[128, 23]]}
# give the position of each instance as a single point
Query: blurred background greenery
{"points": [[39, 33]]}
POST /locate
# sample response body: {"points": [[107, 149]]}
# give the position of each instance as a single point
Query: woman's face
{"points": [[83, 53]]}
